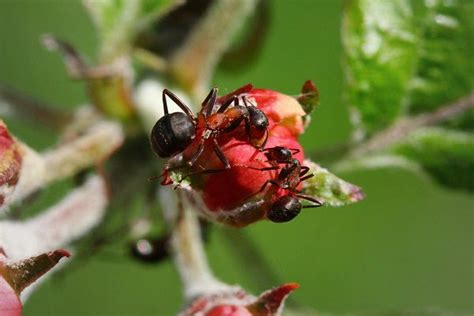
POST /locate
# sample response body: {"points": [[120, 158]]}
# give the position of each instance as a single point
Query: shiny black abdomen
{"points": [[171, 134], [284, 209]]}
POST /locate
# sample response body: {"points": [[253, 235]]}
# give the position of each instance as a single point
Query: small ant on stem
{"points": [[287, 207]]}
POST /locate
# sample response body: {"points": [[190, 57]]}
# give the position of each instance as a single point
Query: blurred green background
{"points": [[408, 246]]}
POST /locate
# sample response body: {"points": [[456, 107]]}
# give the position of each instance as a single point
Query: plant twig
{"points": [[193, 64], [89, 149], [187, 247], [57, 226], [406, 126], [15, 103]]}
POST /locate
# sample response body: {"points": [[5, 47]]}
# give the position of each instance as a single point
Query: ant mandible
{"points": [[288, 206], [174, 132]]}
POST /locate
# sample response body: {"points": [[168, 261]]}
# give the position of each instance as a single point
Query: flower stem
{"points": [[193, 65], [405, 126], [187, 247], [89, 149]]}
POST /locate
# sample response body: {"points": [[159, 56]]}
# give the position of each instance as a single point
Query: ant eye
{"points": [[284, 209]]}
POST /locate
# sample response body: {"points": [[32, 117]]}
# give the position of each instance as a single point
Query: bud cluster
{"points": [[240, 154]]}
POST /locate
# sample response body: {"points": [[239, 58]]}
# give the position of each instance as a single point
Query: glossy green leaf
{"points": [[380, 54], [445, 64], [330, 189], [447, 155], [407, 57]]}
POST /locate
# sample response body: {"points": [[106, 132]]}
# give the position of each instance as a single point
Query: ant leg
{"points": [[178, 102], [221, 155], [227, 103], [222, 158], [267, 183], [264, 169], [316, 202], [304, 170], [263, 186], [294, 150], [197, 154], [209, 102], [306, 177]]}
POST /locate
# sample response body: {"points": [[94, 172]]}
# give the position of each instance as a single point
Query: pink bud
{"points": [[240, 303], [16, 276], [10, 304], [229, 310], [10, 159], [224, 192]]}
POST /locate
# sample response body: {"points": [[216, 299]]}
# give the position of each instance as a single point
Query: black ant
{"points": [[174, 132], [287, 207]]}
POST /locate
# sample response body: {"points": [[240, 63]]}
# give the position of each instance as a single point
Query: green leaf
{"points": [[447, 155], [379, 38], [445, 65], [309, 97], [332, 190], [407, 57], [118, 22]]}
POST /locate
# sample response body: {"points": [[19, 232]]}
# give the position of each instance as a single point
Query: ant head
{"points": [[284, 209], [258, 119]]}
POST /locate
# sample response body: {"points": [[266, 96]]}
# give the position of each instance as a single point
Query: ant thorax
{"points": [[207, 133]]}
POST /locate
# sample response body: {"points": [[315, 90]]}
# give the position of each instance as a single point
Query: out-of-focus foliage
{"points": [[405, 58], [445, 154], [401, 235], [118, 21], [380, 45], [445, 48]]}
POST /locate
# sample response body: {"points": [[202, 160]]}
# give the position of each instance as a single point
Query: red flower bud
{"points": [[16, 276], [243, 194], [10, 304], [10, 161], [239, 303], [229, 310]]}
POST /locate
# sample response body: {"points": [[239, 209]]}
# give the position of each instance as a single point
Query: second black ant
{"points": [[288, 206]]}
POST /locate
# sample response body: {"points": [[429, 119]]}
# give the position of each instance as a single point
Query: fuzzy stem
{"points": [[14, 103], [193, 65], [406, 126], [363, 156], [90, 149], [187, 247], [57, 226]]}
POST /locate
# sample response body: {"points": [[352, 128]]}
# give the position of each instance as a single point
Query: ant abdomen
{"points": [[172, 134], [284, 209]]}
